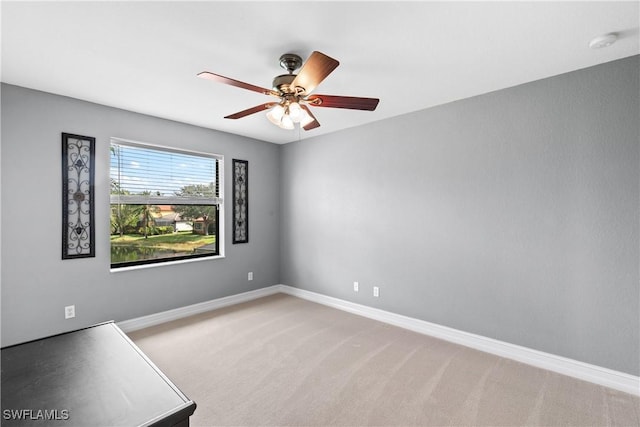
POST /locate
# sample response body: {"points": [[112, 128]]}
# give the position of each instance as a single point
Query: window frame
{"points": [[153, 200]]}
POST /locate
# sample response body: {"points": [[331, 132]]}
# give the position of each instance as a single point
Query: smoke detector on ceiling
{"points": [[604, 40]]}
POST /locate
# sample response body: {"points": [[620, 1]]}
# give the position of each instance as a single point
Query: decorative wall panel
{"points": [[78, 172], [240, 201]]}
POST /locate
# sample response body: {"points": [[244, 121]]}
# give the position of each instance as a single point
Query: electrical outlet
{"points": [[356, 286], [376, 291], [70, 311], [250, 275]]}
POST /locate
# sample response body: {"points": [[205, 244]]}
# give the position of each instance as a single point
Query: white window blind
{"points": [[150, 175]]}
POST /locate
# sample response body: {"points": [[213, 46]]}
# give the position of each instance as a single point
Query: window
{"points": [[165, 204]]}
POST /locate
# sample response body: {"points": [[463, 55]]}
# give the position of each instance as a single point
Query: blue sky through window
{"points": [[158, 172]]}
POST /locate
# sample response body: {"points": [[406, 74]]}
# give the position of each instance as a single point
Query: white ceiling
{"points": [[144, 56]]}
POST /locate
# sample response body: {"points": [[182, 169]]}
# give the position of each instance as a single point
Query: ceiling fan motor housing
{"points": [[282, 83], [290, 62]]}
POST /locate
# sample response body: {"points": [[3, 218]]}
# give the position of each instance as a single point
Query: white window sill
{"points": [[164, 264]]}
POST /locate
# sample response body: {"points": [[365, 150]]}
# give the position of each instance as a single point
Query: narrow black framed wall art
{"points": [[78, 171], [240, 201]]}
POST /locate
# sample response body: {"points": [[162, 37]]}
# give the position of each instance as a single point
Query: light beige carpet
{"points": [[284, 361]]}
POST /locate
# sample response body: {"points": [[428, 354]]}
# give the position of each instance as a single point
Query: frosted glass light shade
{"points": [[286, 122], [306, 118], [275, 114], [295, 112]]}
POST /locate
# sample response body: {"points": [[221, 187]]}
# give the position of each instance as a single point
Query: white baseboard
{"points": [[574, 368], [584, 371], [190, 310]]}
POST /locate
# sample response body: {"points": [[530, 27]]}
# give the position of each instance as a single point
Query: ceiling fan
{"points": [[294, 92]]}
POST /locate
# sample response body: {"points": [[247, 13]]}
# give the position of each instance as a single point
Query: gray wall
{"points": [[512, 215], [37, 284]]}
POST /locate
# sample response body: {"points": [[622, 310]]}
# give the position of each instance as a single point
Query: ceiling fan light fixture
{"points": [[295, 112], [275, 114], [306, 118], [285, 115], [286, 122]]}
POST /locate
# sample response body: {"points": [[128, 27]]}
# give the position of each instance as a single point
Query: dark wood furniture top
{"points": [[91, 377]]}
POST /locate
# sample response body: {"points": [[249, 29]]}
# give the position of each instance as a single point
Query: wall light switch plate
{"points": [[376, 291], [356, 286], [250, 275]]}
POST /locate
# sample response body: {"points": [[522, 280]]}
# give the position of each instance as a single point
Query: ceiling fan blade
{"points": [[312, 125], [253, 110], [315, 70], [237, 83], [350, 102]]}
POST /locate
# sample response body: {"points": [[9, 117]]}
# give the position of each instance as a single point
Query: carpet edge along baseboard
{"points": [[592, 373]]}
